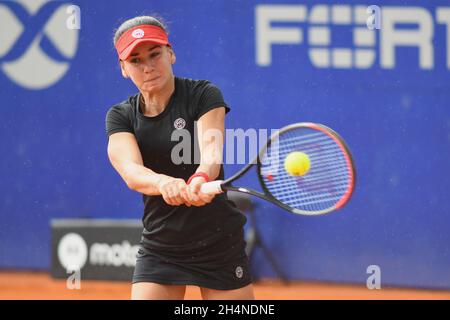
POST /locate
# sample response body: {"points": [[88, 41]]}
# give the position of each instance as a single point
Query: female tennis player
{"points": [[189, 238]]}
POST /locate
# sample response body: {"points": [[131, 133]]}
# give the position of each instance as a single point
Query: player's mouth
{"points": [[151, 80]]}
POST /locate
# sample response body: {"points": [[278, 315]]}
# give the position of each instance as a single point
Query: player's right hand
{"points": [[174, 191], [196, 197]]}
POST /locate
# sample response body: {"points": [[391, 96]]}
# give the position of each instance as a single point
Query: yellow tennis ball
{"points": [[297, 163]]}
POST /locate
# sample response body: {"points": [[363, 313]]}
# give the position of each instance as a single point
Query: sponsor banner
{"points": [[95, 249]]}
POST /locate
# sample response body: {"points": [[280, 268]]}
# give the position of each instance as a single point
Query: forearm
{"points": [[212, 170], [211, 137], [211, 158], [142, 179]]}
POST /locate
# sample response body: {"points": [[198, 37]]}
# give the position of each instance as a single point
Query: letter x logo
{"points": [[38, 37], [33, 25]]}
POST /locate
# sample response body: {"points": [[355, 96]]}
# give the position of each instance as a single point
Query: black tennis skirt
{"points": [[220, 263]]}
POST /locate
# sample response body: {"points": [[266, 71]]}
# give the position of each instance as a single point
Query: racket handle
{"points": [[213, 187]]}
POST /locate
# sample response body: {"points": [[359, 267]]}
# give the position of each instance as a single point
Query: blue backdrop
{"points": [[392, 108]]}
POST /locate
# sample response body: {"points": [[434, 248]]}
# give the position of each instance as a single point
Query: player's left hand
{"points": [[196, 197]]}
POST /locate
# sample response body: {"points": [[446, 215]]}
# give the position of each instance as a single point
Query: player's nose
{"points": [[148, 67]]}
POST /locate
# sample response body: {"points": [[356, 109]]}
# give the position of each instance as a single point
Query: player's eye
{"points": [[135, 60], [155, 54]]}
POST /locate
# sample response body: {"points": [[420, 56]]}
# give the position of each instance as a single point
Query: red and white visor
{"points": [[137, 35]]}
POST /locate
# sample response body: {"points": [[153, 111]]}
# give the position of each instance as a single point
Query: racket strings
{"points": [[327, 180]]}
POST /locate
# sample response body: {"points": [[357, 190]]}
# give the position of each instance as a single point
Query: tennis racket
{"points": [[326, 187]]}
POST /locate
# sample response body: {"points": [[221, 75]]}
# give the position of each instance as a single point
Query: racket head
{"points": [[330, 181]]}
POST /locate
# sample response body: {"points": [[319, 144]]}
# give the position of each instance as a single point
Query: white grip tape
{"points": [[212, 187]]}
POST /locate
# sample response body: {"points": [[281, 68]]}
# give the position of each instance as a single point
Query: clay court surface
{"points": [[40, 285]]}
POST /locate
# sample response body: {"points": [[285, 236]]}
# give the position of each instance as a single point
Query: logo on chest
{"points": [[180, 123]]}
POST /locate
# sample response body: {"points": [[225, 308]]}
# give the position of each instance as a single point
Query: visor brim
{"points": [[126, 53]]}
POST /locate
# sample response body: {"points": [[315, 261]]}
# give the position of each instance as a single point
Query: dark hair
{"points": [[137, 21]]}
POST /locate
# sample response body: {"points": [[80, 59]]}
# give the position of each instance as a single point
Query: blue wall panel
{"points": [[395, 120]]}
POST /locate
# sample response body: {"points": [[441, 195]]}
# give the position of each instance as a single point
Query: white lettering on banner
{"points": [[421, 37], [73, 253], [443, 16], [113, 255], [320, 19], [267, 35]]}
